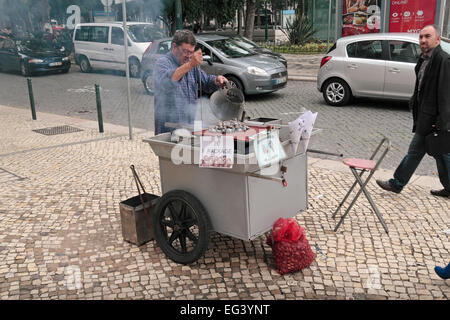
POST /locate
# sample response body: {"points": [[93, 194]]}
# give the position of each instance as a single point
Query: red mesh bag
{"points": [[290, 248]]}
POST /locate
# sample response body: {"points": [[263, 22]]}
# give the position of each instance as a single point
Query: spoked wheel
{"points": [[182, 226], [147, 80], [337, 92], [235, 83], [135, 68], [85, 66]]}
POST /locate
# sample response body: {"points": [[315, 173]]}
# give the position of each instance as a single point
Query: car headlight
{"points": [[35, 61], [65, 59], [256, 71]]}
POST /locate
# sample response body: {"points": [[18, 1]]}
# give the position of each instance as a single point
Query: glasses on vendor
{"points": [[186, 52]]}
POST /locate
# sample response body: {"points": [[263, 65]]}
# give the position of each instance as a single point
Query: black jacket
{"points": [[431, 102]]}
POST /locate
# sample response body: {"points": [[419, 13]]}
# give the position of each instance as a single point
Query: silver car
{"points": [[378, 65], [251, 72]]}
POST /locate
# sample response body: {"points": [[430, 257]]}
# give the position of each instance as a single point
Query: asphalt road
{"points": [[352, 130]]}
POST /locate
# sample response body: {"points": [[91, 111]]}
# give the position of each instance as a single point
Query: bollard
{"points": [[30, 93], [99, 108]]}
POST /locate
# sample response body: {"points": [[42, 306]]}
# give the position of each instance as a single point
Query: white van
{"points": [[100, 45]]}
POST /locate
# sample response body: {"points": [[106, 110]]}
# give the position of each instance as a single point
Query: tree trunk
{"points": [[250, 18], [240, 18]]}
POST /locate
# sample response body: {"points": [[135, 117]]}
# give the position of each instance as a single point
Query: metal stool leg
{"points": [[346, 196], [363, 189], [362, 185], [372, 203]]}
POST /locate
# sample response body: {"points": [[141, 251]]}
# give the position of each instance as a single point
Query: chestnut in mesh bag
{"points": [[290, 248]]}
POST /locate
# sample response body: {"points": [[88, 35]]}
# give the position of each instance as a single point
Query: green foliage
{"points": [[300, 30], [307, 48], [223, 10]]}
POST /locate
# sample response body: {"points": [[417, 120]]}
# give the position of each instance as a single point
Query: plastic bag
{"points": [[286, 230], [290, 248]]}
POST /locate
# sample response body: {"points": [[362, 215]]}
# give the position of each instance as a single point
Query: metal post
{"points": [[99, 108], [178, 14], [329, 24], [31, 95], [336, 26], [266, 31], [127, 64]]}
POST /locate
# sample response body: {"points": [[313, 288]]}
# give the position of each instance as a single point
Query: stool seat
{"points": [[360, 163]]}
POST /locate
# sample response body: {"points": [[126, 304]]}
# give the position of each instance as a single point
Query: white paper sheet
{"points": [[300, 130]]}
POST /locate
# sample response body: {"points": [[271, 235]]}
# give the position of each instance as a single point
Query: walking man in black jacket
{"points": [[430, 106]]}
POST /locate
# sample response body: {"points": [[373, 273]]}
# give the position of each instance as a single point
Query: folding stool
{"points": [[364, 165]]}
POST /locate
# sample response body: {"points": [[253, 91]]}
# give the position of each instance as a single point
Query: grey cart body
{"points": [[242, 202]]}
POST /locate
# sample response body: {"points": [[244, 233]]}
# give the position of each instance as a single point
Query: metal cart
{"points": [[240, 202]]}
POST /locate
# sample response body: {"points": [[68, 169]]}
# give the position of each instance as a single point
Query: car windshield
{"points": [[230, 48], [246, 43], [145, 33], [35, 45], [445, 45]]}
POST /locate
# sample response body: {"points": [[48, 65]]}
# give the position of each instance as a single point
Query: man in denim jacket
{"points": [[176, 81]]}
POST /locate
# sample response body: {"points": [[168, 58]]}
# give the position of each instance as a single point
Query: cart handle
{"points": [[264, 177]]}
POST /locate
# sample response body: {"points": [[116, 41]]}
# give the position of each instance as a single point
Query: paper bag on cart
{"points": [[290, 248]]}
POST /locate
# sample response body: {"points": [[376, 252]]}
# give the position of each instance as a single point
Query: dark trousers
{"points": [[412, 160]]}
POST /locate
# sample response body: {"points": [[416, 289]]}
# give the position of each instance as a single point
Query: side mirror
{"points": [[208, 59]]}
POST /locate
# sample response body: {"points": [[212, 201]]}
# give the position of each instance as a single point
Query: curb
{"points": [[301, 78]]}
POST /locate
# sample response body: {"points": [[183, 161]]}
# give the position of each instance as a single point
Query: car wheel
{"points": [[65, 70], [85, 66], [235, 82], [336, 92], [135, 68], [24, 69], [147, 80]]}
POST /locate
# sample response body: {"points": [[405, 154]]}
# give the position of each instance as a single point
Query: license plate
{"points": [[54, 64], [280, 80]]}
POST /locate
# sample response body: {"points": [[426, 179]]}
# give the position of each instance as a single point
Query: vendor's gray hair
{"points": [[184, 36]]}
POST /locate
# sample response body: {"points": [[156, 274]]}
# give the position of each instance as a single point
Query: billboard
{"points": [[411, 15], [360, 16]]}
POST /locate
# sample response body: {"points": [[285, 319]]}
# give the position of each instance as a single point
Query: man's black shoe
{"points": [[440, 193], [387, 186]]}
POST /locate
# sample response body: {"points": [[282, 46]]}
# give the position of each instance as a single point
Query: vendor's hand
{"points": [[197, 58], [220, 81]]}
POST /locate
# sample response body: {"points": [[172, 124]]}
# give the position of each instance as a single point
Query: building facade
{"points": [[338, 18]]}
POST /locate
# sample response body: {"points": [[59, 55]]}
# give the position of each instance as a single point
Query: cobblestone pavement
{"points": [[61, 238], [354, 130]]}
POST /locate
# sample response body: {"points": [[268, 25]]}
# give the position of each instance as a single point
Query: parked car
{"points": [[29, 56], [101, 45], [378, 65], [249, 44], [245, 69]]}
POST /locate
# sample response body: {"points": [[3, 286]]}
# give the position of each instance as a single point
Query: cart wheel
{"points": [[182, 226]]}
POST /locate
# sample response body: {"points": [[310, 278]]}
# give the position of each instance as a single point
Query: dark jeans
{"points": [[412, 160]]}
